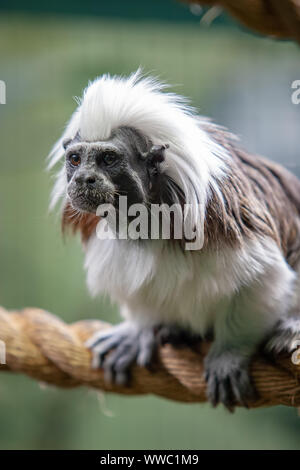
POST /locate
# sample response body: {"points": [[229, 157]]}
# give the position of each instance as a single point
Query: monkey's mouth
{"points": [[89, 201]]}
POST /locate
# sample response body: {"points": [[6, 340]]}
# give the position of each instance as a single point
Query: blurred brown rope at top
{"points": [[277, 18], [44, 347]]}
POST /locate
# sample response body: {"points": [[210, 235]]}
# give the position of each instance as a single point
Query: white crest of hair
{"points": [[194, 161]]}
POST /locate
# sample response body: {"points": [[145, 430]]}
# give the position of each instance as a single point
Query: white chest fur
{"points": [[154, 281]]}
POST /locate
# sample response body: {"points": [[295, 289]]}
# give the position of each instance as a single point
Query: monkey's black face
{"points": [[100, 172]]}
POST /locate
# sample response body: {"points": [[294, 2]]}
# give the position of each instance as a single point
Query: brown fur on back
{"points": [[260, 198]]}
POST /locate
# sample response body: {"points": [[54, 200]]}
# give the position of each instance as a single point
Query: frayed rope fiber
{"points": [[275, 18], [47, 349]]}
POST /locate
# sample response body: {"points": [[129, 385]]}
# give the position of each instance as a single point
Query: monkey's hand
{"points": [[228, 380], [126, 345]]}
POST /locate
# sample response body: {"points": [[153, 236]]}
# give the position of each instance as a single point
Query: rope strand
{"points": [[276, 18], [45, 348]]}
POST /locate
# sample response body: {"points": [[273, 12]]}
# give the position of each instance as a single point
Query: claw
{"points": [[117, 349], [228, 380], [102, 335]]}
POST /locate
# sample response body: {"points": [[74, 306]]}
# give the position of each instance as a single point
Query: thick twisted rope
{"points": [[44, 347], [277, 18]]}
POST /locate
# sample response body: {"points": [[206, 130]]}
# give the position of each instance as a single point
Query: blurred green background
{"points": [[46, 58]]}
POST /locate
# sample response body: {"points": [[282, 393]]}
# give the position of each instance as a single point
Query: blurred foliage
{"points": [[45, 61]]}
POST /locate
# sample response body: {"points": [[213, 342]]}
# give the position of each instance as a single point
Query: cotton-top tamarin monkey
{"points": [[130, 138]]}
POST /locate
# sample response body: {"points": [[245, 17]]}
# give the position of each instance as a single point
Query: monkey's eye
{"points": [[75, 159], [109, 158]]}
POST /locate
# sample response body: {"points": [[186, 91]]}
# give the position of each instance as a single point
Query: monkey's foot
{"points": [[126, 345], [228, 380], [285, 337], [177, 337]]}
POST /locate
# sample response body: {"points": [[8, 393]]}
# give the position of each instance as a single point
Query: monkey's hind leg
{"points": [[228, 379], [119, 347], [238, 333]]}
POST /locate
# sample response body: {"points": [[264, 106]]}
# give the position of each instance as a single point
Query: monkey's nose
{"points": [[88, 179]]}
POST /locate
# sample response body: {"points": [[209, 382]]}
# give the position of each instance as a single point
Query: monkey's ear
{"points": [[155, 155], [66, 142]]}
